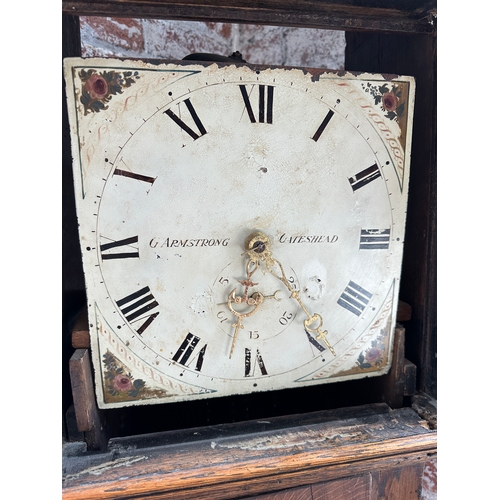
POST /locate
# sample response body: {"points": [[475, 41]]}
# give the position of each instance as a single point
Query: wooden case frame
{"points": [[382, 37]]}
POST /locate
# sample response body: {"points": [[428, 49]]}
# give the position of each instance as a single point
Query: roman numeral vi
{"points": [[249, 371]]}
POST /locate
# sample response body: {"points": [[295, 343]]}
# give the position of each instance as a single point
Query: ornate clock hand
{"points": [[232, 297], [256, 296], [257, 245], [256, 299]]}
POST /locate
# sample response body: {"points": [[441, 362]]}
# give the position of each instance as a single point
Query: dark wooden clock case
{"points": [[353, 440]]}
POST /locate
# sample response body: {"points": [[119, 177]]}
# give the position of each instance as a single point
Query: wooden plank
{"points": [[410, 378], [351, 488], [86, 411], [232, 466], [392, 385], [426, 407], [291, 494], [231, 477], [300, 13], [404, 311], [398, 483], [80, 336], [83, 390]]}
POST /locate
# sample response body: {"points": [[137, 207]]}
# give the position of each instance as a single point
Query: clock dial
{"points": [[178, 167]]}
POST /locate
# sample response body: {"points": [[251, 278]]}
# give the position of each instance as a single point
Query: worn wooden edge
{"points": [[392, 384], [404, 311], [426, 407], [224, 468], [338, 417], [87, 414], [222, 481], [83, 389], [410, 377], [300, 13], [80, 336]]}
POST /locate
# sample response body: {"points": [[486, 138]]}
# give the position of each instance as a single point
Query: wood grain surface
{"points": [[405, 17], [235, 460]]}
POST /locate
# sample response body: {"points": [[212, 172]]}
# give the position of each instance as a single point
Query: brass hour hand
{"points": [[255, 300], [232, 298]]}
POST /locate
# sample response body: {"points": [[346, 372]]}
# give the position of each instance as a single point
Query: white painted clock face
{"points": [[178, 170]]}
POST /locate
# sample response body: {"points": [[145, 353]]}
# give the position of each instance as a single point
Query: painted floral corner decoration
{"points": [[376, 355], [120, 385], [391, 99], [99, 88]]}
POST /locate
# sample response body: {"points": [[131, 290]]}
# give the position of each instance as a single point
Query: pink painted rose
{"points": [[389, 101], [373, 355], [122, 383], [96, 86]]}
